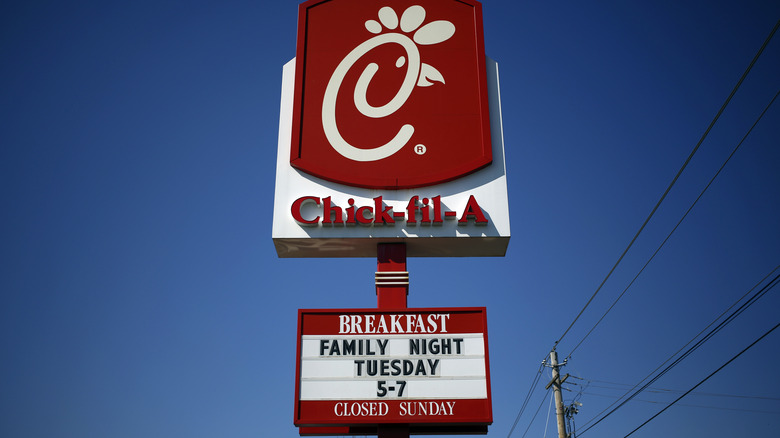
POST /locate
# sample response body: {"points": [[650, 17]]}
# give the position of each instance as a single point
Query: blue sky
{"points": [[142, 295]]}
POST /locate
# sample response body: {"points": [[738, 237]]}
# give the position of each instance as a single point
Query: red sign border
{"points": [[471, 421], [384, 183]]}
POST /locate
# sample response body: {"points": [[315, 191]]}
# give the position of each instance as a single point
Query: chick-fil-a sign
{"points": [[390, 94]]}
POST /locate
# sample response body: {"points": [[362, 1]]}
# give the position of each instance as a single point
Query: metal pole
{"points": [[392, 288], [556, 383], [392, 278]]}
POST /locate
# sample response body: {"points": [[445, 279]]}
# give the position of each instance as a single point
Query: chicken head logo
{"points": [[417, 74], [390, 95]]}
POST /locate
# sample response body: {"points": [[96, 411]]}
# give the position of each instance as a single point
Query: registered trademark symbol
{"points": [[420, 149]]}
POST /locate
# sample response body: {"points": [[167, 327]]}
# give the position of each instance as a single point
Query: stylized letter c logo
{"points": [[331, 93]]}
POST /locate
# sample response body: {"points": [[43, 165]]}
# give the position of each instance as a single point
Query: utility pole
{"points": [[556, 384]]}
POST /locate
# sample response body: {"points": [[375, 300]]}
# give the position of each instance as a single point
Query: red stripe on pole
{"points": [[391, 257]]}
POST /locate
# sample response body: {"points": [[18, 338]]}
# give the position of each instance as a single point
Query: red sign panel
{"points": [[390, 94], [368, 367]]}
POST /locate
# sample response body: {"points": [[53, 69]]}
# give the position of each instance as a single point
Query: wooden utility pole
{"points": [[556, 384]]}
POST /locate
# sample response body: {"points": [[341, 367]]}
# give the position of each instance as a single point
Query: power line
{"points": [[535, 414], [673, 391], [705, 379], [688, 352], [547, 421], [689, 405], [689, 342], [590, 382], [766, 108], [676, 177], [527, 399]]}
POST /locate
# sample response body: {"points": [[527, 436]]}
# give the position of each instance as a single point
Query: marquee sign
{"points": [[390, 94], [390, 130], [368, 367]]}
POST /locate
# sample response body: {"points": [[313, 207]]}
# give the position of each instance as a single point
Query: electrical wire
{"points": [[527, 399], [704, 380], [572, 407], [616, 386], [687, 343], [676, 177], [689, 405], [766, 108], [535, 414], [547, 421], [753, 299]]}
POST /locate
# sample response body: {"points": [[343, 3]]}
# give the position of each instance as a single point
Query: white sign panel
{"points": [[368, 366]]}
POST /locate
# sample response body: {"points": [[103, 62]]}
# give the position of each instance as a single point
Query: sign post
{"points": [[392, 278], [392, 289]]}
